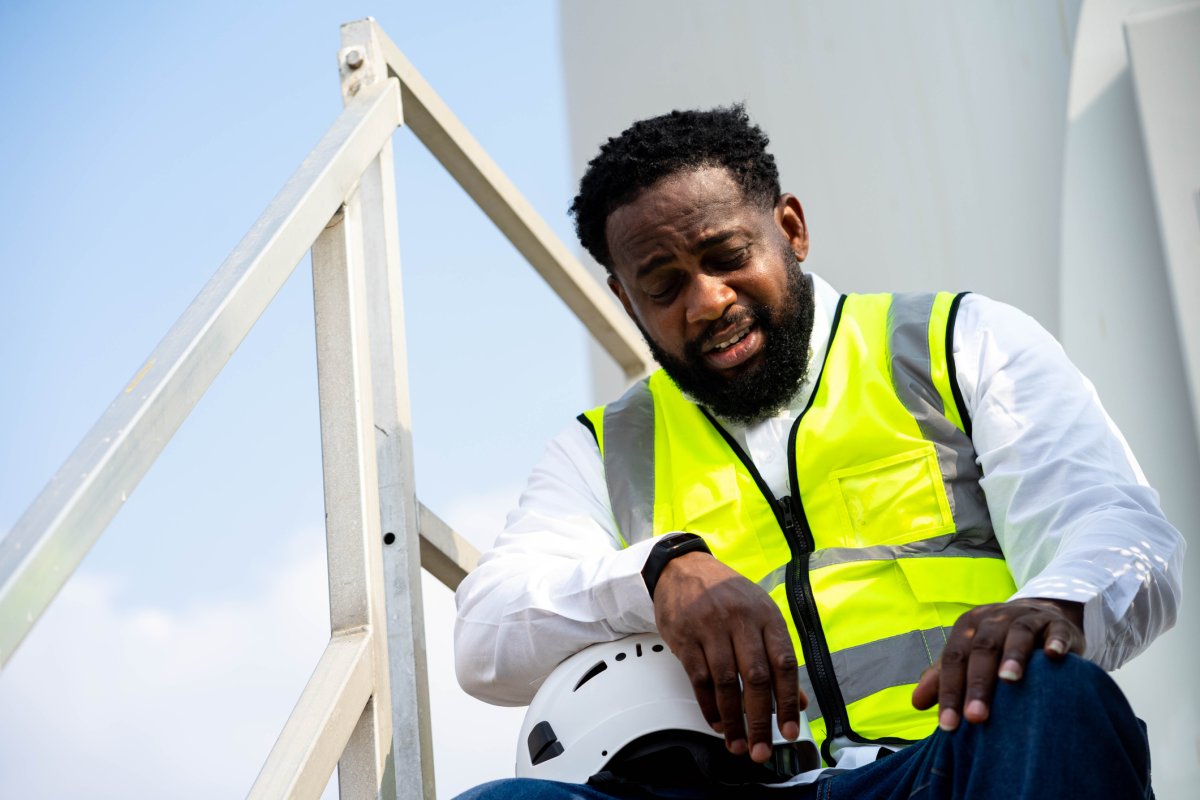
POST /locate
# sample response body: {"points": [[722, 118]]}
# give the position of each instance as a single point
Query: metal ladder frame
{"points": [[366, 707]]}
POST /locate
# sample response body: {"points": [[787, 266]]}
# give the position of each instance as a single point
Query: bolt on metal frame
{"points": [[366, 707]]}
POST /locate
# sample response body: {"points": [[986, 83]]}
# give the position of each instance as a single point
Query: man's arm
{"points": [[1081, 530], [555, 582]]}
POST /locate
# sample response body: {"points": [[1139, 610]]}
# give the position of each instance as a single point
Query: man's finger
{"points": [[757, 688], [1062, 638], [789, 699], [1019, 644], [727, 686], [696, 666], [953, 676], [983, 666], [926, 691]]}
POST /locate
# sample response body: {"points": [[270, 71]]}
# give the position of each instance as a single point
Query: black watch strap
{"points": [[673, 545]]}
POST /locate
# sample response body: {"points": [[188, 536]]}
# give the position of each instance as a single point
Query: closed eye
{"points": [[661, 291], [730, 260]]}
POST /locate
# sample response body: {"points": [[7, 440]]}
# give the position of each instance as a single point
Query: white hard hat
{"points": [[627, 707]]}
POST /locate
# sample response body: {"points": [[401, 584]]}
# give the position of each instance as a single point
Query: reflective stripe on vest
{"points": [[893, 540]]}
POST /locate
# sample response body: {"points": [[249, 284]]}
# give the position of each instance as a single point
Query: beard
{"points": [[765, 387]]}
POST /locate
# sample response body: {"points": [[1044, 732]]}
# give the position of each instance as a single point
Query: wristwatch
{"points": [[673, 545]]}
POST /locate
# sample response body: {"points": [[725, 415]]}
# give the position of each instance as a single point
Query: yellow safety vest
{"points": [[885, 538]]}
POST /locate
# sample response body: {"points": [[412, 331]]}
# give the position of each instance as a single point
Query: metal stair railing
{"points": [[366, 707]]}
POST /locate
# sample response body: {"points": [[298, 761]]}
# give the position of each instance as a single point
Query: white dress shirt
{"points": [[1069, 504]]}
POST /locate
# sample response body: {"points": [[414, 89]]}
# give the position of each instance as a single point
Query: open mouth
{"points": [[730, 342], [734, 347]]}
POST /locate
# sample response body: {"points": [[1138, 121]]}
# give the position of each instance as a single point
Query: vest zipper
{"points": [[817, 659], [802, 602]]}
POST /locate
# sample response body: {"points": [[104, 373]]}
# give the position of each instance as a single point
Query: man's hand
{"points": [[722, 627], [995, 641]]}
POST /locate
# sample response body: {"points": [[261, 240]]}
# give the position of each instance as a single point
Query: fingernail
{"points": [[977, 711], [948, 719], [738, 747], [1010, 670], [1056, 646], [790, 730], [760, 753]]}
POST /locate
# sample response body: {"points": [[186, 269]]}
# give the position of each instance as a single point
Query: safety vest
{"points": [[885, 538]]}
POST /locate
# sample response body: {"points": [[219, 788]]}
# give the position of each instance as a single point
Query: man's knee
{"points": [[1069, 689], [1064, 729], [1068, 682]]}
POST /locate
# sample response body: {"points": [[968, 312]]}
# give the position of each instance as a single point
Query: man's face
{"points": [[713, 283]]}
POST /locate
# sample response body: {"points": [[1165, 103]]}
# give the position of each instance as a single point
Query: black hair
{"points": [[652, 149]]}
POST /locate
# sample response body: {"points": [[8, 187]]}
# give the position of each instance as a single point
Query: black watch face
{"points": [[687, 542]]}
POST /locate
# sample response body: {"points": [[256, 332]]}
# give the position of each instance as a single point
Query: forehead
{"points": [[678, 213]]}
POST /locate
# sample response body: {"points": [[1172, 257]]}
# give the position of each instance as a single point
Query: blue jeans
{"points": [[1063, 731]]}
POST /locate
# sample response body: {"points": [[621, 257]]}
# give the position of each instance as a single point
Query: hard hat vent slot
{"points": [[591, 673]]}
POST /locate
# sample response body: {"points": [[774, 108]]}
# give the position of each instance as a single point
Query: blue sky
{"points": [[141, 141]]}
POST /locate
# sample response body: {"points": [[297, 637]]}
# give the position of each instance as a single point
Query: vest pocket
{"points": [[894, 500], [967, 582]]}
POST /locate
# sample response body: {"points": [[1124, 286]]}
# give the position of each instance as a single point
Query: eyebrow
{"points": [[705, 243]]}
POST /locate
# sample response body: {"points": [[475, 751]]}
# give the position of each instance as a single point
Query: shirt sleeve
{"points": [[1071, 508], [556, 581]]}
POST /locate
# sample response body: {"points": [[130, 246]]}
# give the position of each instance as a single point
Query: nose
{"points": [[708, 297]]}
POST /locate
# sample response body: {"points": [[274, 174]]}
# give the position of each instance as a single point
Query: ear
{"points": [[619, 291], [789, 216]]}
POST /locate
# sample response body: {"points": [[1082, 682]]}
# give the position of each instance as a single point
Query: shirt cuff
{"points": [[627, 604]]}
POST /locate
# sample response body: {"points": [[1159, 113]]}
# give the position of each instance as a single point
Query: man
{"points": [[869, 485]]}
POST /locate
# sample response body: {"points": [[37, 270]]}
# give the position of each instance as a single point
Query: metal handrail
{"points": [[365, 707], [54, 534]]}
